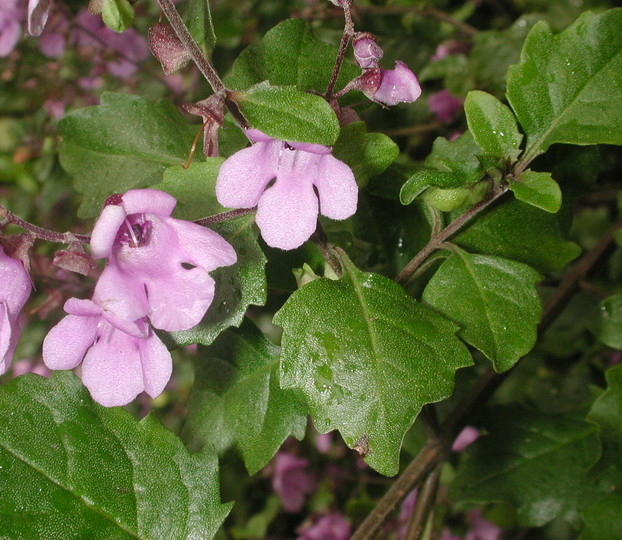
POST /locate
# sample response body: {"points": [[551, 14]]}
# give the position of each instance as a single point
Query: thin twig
{"points": [[348, 32], [448, 231], [44, 234], [204, 65], [224, 216], [426, 499]]}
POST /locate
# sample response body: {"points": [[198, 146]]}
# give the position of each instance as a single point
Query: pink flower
{"points": [[444, 105], [328, 527], [389, 87], [119, 359], [481, 528], [157, 265], [287, 211], [467, 436], [10, 27], [291, 481], [15, 288]]}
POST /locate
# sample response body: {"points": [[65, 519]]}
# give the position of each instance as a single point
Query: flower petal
{"points": [[148, 201], [397, 85], [180, 301], [287, 212], [112, 368], [243, 176], [105, 230], [66, 344], [76, 306], [202, 246], [5, 338], [157, 365], [336, 188], [120, 294]]}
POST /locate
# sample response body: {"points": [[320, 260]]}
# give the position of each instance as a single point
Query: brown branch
{"points": [[426, 499], [44, 234]]}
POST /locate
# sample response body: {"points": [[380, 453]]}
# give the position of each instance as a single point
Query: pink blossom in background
{"points": [[481, 528], [292, 481], [15, 287], [119, 359], [467, 436], [447, 48], [444, 105], [406, 509], [30, 366], [287, 211], [323, 442], [157, 265], [328, 527], [53, 39], [11, 16]]}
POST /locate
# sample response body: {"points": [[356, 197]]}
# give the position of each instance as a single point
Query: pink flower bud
{"points": [[367, 52], [167, 48], [389, 87]]}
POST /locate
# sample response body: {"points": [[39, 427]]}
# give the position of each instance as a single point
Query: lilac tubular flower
{"points": [[291, 481], [444, 105], [328, 527], [15, 288], [287, 211], [399, 85], [157, 265], [119, 359]]}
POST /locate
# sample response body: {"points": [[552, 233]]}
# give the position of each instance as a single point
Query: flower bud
{"points": [[167, 48], [367, 52]]}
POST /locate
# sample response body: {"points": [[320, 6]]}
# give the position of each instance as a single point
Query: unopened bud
{"points": [[367, 52], [167, 48], [74, 261]]}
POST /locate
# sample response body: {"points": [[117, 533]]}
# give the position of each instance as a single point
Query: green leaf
{"points": [[566, 87], [606, 413], [535, 462], [289, 54], [538, 189], [422, 180], [194, 188], [521, 232], [367, 357], [494, 301], [198, 18], [74, 469], [288, 114], [367, 154], [459, 157], [607, 324], [118, 15], [237, 398], [603, 520], [493, 125], [237, 286], [125, 142]]}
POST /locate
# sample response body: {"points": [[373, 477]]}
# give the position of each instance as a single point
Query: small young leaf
{"points": [[288, 114], [518, 231], [125, 142], [566, 87], [118, 15], [367, 357], [71, 465], [493, 125], [607, 324], [194, 188], [237, 286], [535, 462], [494, 301], [237, 398], [422, 180], [367, 154], [538, 189]]}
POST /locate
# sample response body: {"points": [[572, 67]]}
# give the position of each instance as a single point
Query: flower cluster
{"points": [[156, 275], [15, 290], [287, 210]]}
